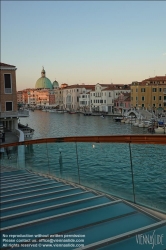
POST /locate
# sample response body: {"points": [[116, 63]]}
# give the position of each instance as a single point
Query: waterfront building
{"points": [[84, 100], [122, 103], [59, 96], [149, 94], [102, 98], [44, 93], [9, 113], [20, 98], [71, 95]]}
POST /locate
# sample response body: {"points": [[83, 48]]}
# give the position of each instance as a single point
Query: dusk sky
{"points": [[84, 41]]}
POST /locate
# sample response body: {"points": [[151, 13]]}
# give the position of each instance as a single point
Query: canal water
{"points": [[103, 166], [47, 124]]}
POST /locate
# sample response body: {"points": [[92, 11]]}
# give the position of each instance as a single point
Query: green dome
{"points": [[43, 82], [55, 84]]}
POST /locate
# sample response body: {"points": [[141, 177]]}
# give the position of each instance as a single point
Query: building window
{"points": [[136, 90], [9, 106], [143, 98], [104, 101], [136, 98], [154, 98], [154, 90], [8, 84], [142, 89], [160, 89], [142, 105], [160, 98]]}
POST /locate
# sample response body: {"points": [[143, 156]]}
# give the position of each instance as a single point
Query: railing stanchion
{"points": [[48, 160], [78, 164], [131, 164]]}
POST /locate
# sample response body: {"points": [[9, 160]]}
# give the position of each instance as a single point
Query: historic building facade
{"points": [[44, 93], [149, 94], [102, 98], [9, 113]]}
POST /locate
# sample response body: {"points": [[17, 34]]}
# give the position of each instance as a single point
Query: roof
{"points": [[43, 83], [6, 65], [77, 86], [153, 80], [156, 78], [115, 87]]}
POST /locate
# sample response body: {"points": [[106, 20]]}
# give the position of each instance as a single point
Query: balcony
{"points": [[111, 189], [20, 113]]}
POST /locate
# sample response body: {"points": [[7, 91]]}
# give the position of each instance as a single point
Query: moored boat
{"points": [[118, 119], [160, 130], [28, 132]]}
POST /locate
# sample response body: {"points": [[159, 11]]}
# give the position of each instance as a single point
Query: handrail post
{"points": [[78, 164], [131, 164], [48, 160]]}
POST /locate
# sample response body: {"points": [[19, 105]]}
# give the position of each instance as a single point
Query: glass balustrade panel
{"points": [[36, 158], [149, 167], [106, 167], [63, 161]]}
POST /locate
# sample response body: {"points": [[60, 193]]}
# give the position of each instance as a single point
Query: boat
{"points": [[87, 113], [118, 119], [51, 111], [136, 123], [61, 111], [72, 112], [144, 124], [160, 130], [28, 132]]}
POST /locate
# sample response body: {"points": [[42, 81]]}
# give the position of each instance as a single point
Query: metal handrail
{"points": [[139, 139]]}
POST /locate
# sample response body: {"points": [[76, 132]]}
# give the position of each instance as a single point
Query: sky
{"points": [[84, 41]]}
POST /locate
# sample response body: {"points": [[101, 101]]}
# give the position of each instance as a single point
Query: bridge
{"points": [[140, 114]]}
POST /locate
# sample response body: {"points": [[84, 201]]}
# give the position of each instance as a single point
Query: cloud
{"points": [[164, 54]]}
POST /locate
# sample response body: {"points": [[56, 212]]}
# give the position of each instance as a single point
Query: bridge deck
{"points": [[35, 207]]}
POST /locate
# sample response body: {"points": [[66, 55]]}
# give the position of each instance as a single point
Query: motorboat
{"points": [[72, 112], [28, 132], [118, 119], [160, 130], [144, 124]]}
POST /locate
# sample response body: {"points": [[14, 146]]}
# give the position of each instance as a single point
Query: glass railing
{"points": [[132, 169]]}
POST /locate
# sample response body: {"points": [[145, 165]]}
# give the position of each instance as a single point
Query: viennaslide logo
{"points": [[150, 239]]}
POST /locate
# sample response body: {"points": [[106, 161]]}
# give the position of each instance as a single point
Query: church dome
{"points": [[43, 82], [55, 84]]}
